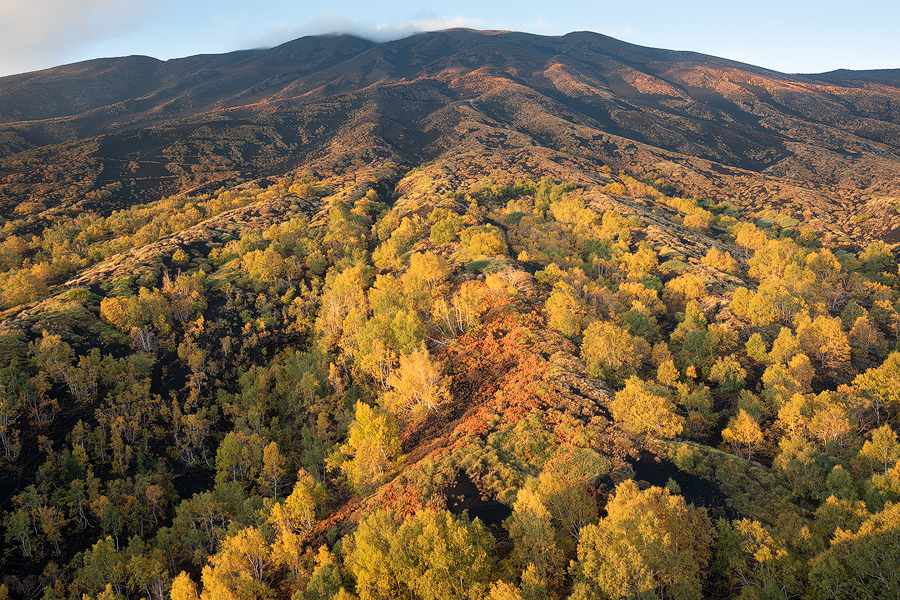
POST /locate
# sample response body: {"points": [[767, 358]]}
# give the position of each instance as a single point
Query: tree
{"points": [[728, 373], [372, 447], [19, 286], [881, 386], [865, 564], [743, 433], [240, 569], [802, 465], [824, 339], [238, 457], [533, 536], [442, 557], [297, 514], [679, 290], [641, 408], [721, 261], [272, 473], [184, 588], [369, 557], [565, 310], [608, 351], [343, 295], [650, 544], [756, 560], [12, 391], [568, 502], [417, 385], [427, 272], [864, 336], [325, 582], [882, 450], [756, 348]]}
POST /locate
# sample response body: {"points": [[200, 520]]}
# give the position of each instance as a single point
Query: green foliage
{"points": [[431, 554]]}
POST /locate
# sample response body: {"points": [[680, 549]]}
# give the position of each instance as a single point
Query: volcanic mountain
{"points": [[557, 304], [822, 148]]}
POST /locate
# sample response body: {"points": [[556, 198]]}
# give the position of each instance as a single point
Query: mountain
{"points": [[723, 129], [471, 314]]}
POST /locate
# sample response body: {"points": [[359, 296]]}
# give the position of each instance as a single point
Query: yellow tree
{"points": [[272, 474], [882, 449], [881, 386], [565, 310], [372, 447], [743, 433], [568, 502], [184, 588], [533, 536], [442, 557], [824, 339], [643, 408], [417, 385], [242, 568], [427, 272], [608, 351], [368, 553], [292, 520], [650, 544]]}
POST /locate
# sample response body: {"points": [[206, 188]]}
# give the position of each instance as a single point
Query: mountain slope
{"points": [[465, 315], [201, 122]]}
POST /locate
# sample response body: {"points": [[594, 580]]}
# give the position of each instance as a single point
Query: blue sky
{"points": [[786, 36]]}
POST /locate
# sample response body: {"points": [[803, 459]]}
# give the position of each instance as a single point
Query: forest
{"points": [[352, 385]]}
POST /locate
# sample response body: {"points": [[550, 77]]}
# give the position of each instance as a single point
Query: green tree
{"points": [[865, 564], [756, 561], [442, 557]]}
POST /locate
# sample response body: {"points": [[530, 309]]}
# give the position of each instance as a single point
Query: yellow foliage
{"points": [[638, 408], [417, 385]]}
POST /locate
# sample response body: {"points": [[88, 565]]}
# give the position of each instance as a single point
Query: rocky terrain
{"points": [[819, 148]]}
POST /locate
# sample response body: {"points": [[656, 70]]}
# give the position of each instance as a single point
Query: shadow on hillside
{"points": [[695, 489]]}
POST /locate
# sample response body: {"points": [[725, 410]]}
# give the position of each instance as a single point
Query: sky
{"points": [[787, 35]]}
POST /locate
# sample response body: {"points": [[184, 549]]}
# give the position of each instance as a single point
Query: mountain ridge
{"points": [[836, 135]]}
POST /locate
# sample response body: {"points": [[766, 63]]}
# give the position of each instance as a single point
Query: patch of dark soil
{"points": [[695, 489], [193, 480], [463, 495]]}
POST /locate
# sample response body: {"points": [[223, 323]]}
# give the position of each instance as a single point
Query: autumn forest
{"points": [[453, 363]]}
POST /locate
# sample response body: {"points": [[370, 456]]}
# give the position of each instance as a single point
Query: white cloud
{"points": [[36, 34], [326, 22], [393, 31]]}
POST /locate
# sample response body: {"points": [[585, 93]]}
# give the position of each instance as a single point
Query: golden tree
{"points": [[643, 408], [650, 544], [417, 385], [743, 433]]}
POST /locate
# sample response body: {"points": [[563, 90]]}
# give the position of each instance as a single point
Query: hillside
{"points": [[464, 315], [821, 145]]}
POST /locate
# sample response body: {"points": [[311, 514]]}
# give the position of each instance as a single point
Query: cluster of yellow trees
{"points": [[248, 428]]}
